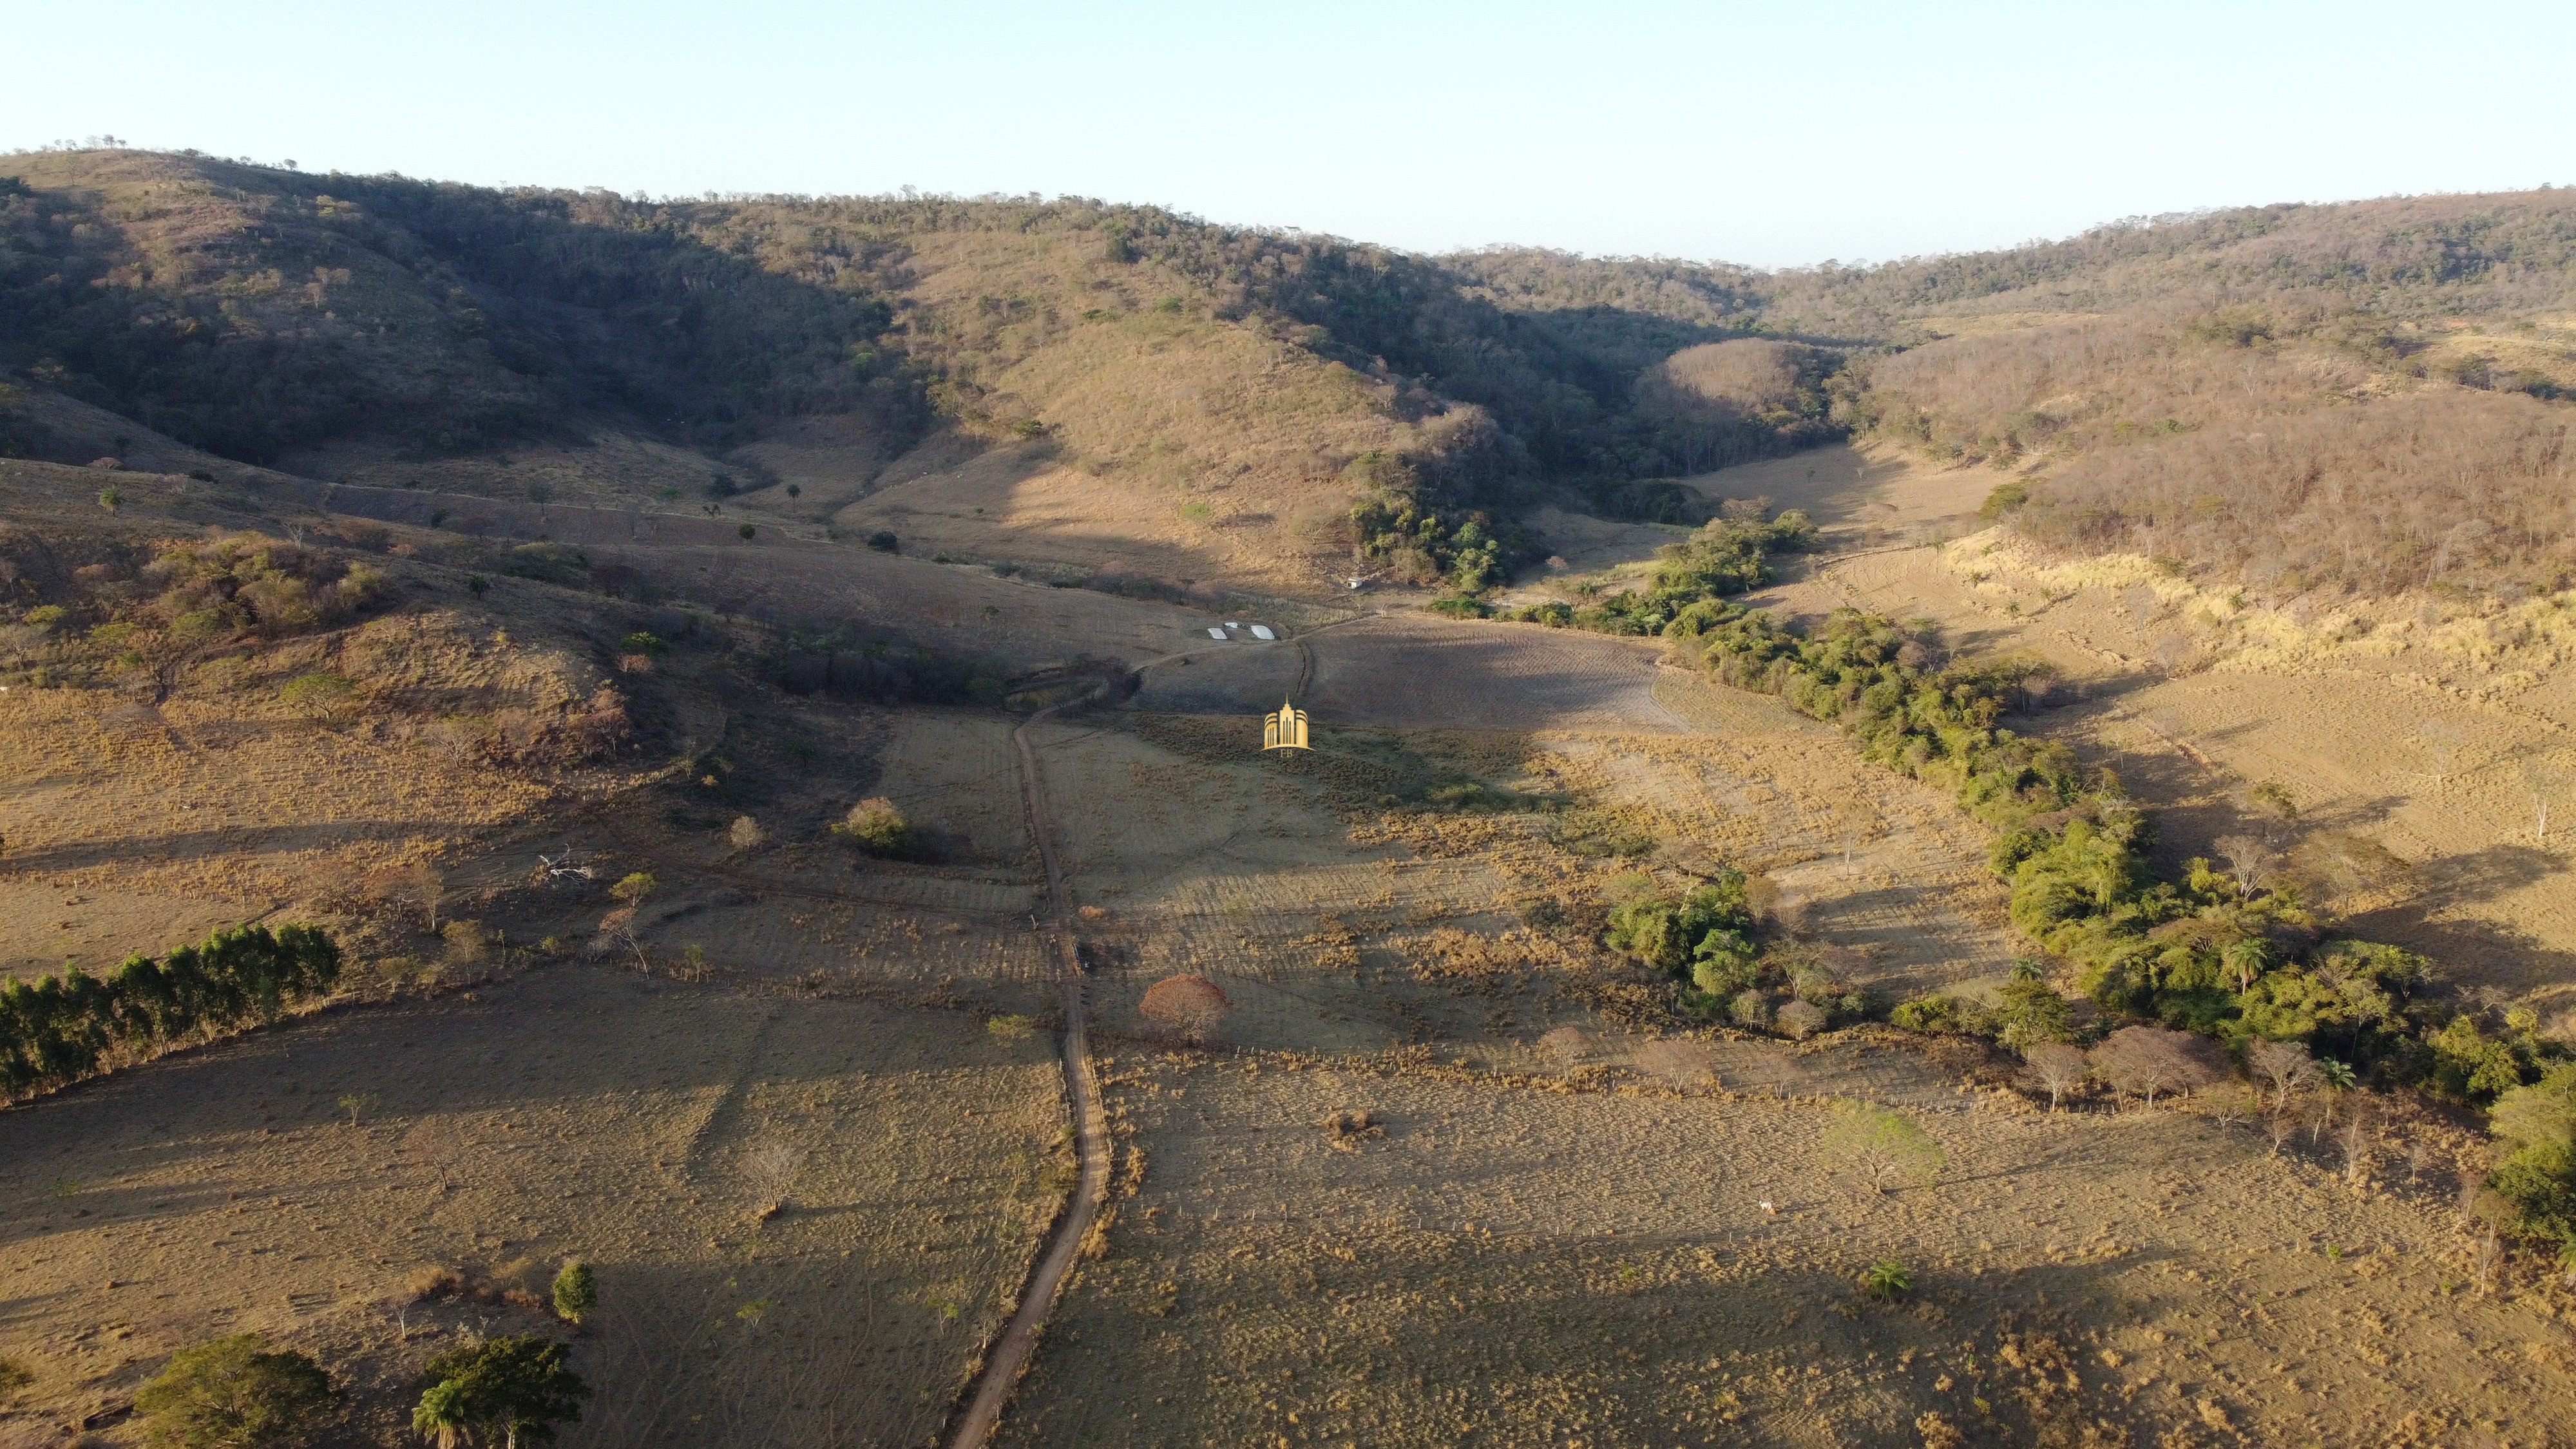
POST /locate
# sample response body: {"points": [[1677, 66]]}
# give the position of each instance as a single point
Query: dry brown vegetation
{"points": [[1450, 1170], [2365, 399], [1529, 1266], [2289, 467]]}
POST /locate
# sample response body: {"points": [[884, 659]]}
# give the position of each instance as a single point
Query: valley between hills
{"points": [[1955, 853]]}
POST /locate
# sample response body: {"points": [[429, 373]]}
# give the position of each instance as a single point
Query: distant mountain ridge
{"points": [[337, 324]]}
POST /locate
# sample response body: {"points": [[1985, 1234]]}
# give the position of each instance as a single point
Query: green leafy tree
{"points": [[1881, 1144], [2538, 1175], [515, 1388], [2028, 1011], [234, 1393], [575, 1293]]}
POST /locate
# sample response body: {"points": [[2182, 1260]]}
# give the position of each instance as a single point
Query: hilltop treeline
{"points": [[2495, 256], [57, 1029], [248, 311]]}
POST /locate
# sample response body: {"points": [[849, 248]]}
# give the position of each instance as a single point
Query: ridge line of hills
{"points": [[1227, 397]]}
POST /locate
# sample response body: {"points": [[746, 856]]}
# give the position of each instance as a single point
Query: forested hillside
{"points": [[251, 311], [2367, 397]]}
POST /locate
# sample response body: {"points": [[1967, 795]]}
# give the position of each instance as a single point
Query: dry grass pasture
{"points": [[1544, 1262], [642, 1125]]}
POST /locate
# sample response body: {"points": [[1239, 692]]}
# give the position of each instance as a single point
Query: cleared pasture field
{"points": [[1420, 672], [638, 1124], [1511, 1265]]}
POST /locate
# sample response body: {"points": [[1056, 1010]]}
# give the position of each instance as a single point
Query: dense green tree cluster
{"points": [[1704, 938], [507, 1391], [1705, 934], [1886, 689], [57, 1029], [2205, 952], [2538, 1175], [1727, 556], [235, 1393], [1396, 529]]}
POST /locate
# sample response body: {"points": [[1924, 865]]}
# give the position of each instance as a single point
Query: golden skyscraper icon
{"points": [[1285, 730]]}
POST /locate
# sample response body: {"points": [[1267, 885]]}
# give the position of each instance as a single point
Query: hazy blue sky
{"points": [[1774, 134]]}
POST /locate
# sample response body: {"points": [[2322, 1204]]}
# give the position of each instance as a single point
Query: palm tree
{"points": [[2246, 959], [2337, 1078], [517, 1387], [441, 1416]]}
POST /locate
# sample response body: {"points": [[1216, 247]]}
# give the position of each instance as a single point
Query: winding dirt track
{"points": [[982, 1412]]}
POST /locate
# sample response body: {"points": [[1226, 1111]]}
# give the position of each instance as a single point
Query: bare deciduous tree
{"points": [[2058, 1068], [770, 1168], [2281, 1126], [2287, 1065], [2442, 745], [2249, 857], [2232, 1105], [1800, 1019], [2360, 1140], [2544, 780], [619, 929], [417, 884], [2151, 1059], [2419, 1151]]}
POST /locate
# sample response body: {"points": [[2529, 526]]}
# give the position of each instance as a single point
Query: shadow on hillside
{"points": [[2483, 953]]}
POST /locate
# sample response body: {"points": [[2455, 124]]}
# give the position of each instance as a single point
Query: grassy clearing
{"points": [[804, 1215], [1511, 1266]]}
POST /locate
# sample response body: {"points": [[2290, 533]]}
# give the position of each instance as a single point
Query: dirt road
{"points": [[1001, 1370]]}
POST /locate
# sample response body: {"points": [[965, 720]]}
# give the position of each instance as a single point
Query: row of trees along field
{"points": [[2224, 954], [55, 1030], [2217, 953]]}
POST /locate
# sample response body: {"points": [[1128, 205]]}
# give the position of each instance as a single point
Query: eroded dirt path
{"points": [[1010, 1353]]}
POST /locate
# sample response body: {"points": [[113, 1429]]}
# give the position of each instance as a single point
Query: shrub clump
{"points": [[234, 1393], [876, 826], [1727, 556], [1188, 1008], [1706, 933], [576, 1293]]}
